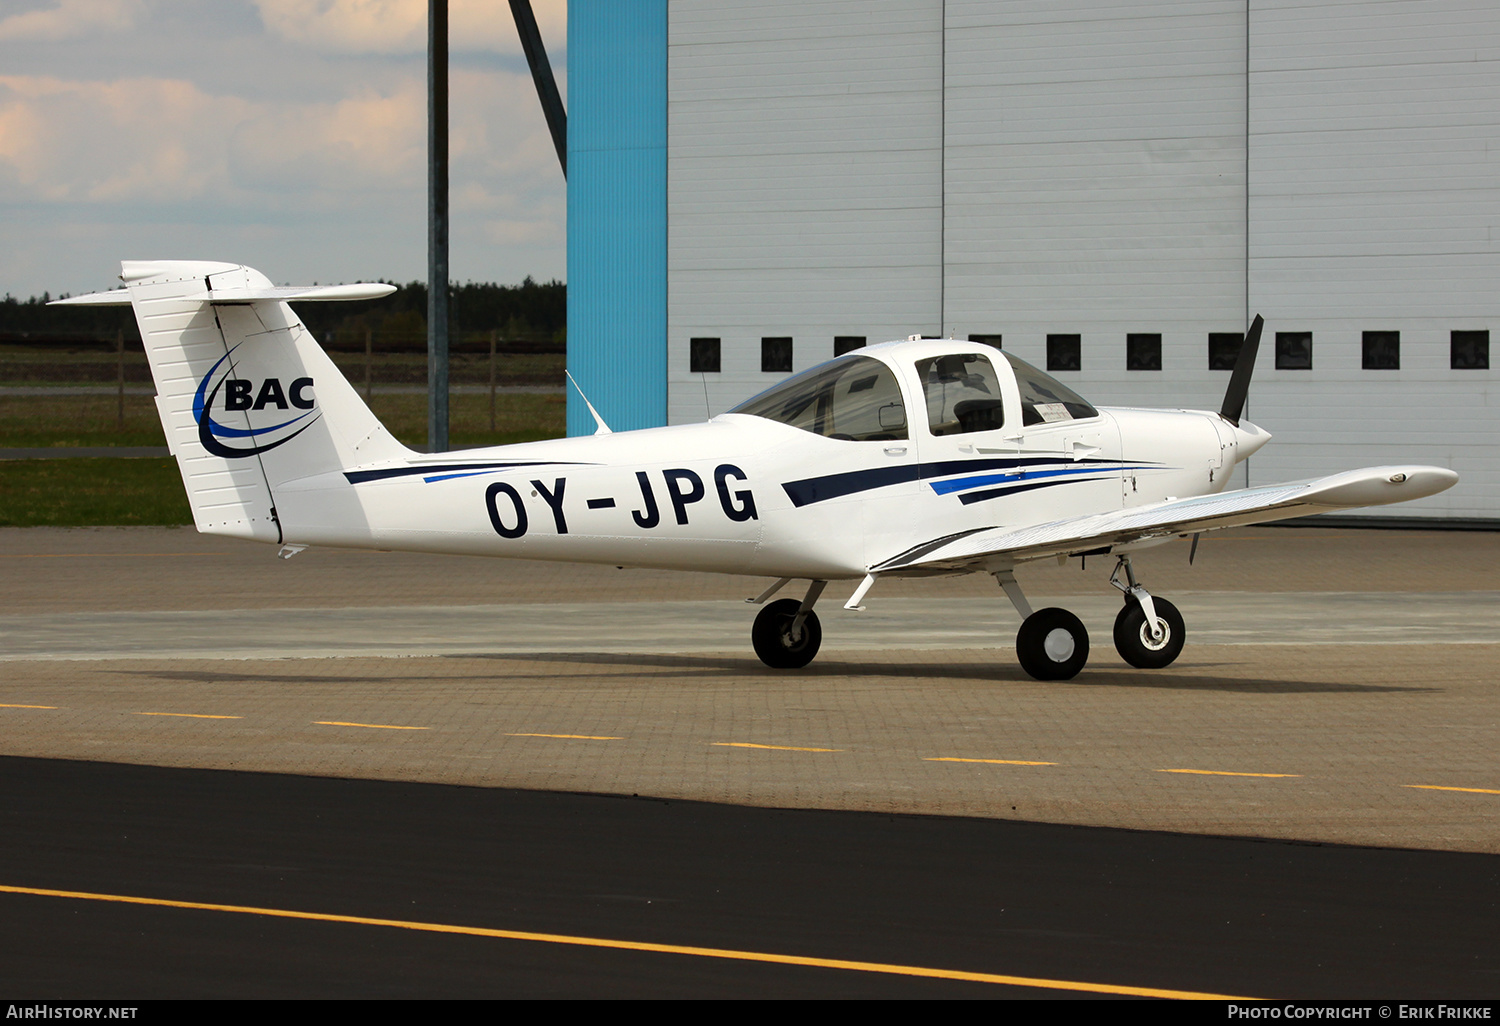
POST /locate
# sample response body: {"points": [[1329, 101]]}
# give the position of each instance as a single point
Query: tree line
{"points": [[529, 317]]}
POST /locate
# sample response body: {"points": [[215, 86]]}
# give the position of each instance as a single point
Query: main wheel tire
{"points": [[1052, 645], [773, 639], [1134, 642]]}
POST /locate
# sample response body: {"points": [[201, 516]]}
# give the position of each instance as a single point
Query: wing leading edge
{"points": [[1373, 486]]}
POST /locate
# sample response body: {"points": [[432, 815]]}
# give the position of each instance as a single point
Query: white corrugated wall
{"points": [[1081, 167], [804, 182], [1374, 205]]}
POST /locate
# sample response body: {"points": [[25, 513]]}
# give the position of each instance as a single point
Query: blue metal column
{"points": [[617, 212]]}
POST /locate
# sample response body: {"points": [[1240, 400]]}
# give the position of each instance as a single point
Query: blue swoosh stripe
{"points": [[960, 484]]}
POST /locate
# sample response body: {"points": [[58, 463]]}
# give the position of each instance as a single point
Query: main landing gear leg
{"points": [[787, 634], [1051, 644], [1149, 632]]}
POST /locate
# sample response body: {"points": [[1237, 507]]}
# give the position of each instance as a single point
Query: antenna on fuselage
{"points": [[603, 428], [1239, 381]]}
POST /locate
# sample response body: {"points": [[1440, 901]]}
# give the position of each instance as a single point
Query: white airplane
{"points": [[915, 458]]}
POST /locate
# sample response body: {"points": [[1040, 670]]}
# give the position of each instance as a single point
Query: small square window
{"points": [[703, 355], [847, 344], [1143, 352], [1064, 352], [776, 355], [1294, 350], [987, 340], [1224, 349], [1470, 350], [1381, 350]]}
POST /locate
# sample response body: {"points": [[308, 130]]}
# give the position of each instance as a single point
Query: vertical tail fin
{"points": [[247, 398]]}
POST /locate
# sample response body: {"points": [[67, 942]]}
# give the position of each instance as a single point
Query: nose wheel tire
{"points": [[1052, 645], [773, 639], [1134, 641]]}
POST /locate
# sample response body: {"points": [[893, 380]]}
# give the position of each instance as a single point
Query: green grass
{"points": [[74, 492], [47, 421], [91, 493], [518, 418], [56, 365], [463, 368]]}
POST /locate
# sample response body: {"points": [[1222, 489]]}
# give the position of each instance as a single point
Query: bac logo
{"points": [[242, 395], [237, 394]]}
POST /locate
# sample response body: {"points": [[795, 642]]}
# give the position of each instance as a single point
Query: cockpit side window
{"points": [[1045, 399], [852, 399], [962, 393]]}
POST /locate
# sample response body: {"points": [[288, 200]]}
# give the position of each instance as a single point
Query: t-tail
{"points": [[253, 409]]}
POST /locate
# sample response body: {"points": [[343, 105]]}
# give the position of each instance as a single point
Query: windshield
{"points": [[1045, 399], [853, 399]]}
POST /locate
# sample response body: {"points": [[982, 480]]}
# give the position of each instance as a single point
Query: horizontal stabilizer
{"points": [[304, 293], [1373, 486], [117, 297], [280, 293]]}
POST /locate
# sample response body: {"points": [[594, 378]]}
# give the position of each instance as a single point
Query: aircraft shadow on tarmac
{"points": [[692, 666]]}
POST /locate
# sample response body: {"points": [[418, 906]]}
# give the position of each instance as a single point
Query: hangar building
{"points": [[1108, 188]]}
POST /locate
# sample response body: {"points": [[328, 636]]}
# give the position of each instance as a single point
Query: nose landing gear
{"points": [[1149, 632]]}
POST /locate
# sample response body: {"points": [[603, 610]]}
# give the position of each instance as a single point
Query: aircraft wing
{"points": [[986, 547]]}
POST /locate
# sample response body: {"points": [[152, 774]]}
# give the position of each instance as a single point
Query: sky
{"points": [[290, 135]]}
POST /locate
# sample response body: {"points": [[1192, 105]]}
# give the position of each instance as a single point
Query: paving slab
{"points": [[1333, 707]]}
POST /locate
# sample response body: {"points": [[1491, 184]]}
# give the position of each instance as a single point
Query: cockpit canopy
{"points": [[858, 398], [853, 398]]}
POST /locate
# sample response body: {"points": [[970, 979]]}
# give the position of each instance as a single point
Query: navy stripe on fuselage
{"points": [[833, 486], [442, 471]]}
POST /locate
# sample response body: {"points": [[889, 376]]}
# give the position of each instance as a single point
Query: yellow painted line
{"points": [[192, 716], [997, 762], [774, 748], [1436, 787], [573, 737], [624, 945], [372, 726], [1227, 773], [3, 706]]}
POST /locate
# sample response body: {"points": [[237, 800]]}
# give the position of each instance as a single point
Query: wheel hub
{"points": [[1156, 644], [1059, 645]]}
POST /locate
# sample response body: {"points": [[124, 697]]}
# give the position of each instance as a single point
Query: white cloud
{"points": [[400, 26], [346, 148], [70, 18], [166, 140], [151, 140], [318, 174]]}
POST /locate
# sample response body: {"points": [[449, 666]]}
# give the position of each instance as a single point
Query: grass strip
{"points": [[92, 493], [47, 421]]}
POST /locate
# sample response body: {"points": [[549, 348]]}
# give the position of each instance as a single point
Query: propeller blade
{"points": [[1194, 550], [1239, 381]]}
